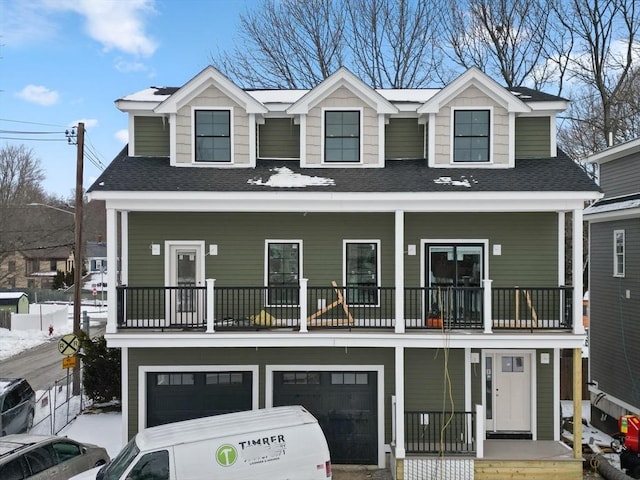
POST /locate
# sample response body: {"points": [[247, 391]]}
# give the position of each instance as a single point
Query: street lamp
{"points": [[77, 276]]}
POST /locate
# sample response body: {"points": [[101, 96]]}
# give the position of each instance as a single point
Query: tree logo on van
{"points": [[226, 455]]}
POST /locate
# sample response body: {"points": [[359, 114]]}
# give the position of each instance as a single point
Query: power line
{"points": [[34, 139], [32, 123]]}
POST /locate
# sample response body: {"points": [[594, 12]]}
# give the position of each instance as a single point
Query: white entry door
{"points": [[509, 391], [185, 267]]}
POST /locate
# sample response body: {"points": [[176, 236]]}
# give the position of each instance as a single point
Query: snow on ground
{"points": [[103, 429]]}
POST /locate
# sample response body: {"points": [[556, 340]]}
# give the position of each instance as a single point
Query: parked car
{"points": [[39, 457], [17, 406]]}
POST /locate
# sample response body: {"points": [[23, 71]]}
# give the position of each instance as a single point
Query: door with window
{"points": [[455, 273], [283, 272], [186, 296]]}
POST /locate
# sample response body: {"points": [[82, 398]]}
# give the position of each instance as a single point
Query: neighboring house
{"points": [[394, 260], [14, 302], [35, 268], [96, 262], [614, 279]]}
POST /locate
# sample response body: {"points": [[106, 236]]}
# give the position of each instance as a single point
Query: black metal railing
{"points": [[440, 432], [532, 308], [444, 307], [351, 307]]}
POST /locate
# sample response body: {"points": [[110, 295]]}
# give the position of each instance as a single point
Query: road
{"points": [[41, 365]]}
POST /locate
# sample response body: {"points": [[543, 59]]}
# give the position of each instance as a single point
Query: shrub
{"points": [[101, 369]]}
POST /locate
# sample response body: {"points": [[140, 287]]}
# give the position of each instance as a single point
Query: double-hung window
{"points": [[471, 136], [342, 136], [212, 135], [283, 272], [362, 272], [618, 253]]}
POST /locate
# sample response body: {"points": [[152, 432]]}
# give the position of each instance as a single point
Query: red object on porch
{"points": [[434, 322]]}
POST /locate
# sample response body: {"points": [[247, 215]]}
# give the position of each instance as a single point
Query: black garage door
{"points": [[176, 396], [345, 405]]}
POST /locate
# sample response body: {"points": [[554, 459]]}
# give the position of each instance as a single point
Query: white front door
{"points": [[185, 270], [509, 391]]}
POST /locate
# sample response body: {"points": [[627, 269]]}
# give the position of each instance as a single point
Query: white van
{"points": [[274, 443]]}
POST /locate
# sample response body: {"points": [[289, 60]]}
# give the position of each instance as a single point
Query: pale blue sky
{"points": [[67, 61]]}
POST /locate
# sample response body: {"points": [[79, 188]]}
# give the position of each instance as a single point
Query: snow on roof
{"points": [[10, 295], [285, 178], [462, 182], [146, 95], [613, 207]]}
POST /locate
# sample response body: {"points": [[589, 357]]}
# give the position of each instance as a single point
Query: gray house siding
{"points": [[151, 136], [613, 333], [279, 138], [621, 177], [404, 138], [544, 397], [260, 357], [533, 137]]}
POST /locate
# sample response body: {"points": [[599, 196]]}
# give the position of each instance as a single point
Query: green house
{"points": [[14, 302]]}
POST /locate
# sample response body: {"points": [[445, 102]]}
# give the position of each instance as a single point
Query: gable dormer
{"points": [[471, 122], [212, 122], [342, 123]]}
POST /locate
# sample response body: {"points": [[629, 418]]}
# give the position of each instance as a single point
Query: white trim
{"points": [[616, 261], [378, 266], [174, 244], [556, 395], [382, 121], [561, 247], [131, 147], [453, 137], [144, 369], [112, 273], [231, 161], [553, 142], [379, 369], [266, 266], [302, 119], [467, 379], [124, 247], [323, 146], [173, 139], [399, 270], [124, 395], [253, 140], [512, 139]]}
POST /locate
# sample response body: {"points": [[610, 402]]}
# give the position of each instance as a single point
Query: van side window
{"points": [[40, 459], [14, 470], [152, 466], [11, 401], [66, 451]]}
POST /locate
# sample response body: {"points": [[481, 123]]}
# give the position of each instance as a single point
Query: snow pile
{"points": [[286, 178]]}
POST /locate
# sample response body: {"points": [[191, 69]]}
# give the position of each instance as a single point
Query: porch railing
{"points": [[432, 308], [450, 433]]}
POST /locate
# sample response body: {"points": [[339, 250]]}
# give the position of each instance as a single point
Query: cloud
{"points": [[25, 23], [39, 95], [122, 136], [126, 66], [116, 25]]}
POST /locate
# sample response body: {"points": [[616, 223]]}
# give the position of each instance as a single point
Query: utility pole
{"points": [[77, 248]]}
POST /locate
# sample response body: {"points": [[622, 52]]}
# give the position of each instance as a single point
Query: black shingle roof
{"points": [[154, 174]]}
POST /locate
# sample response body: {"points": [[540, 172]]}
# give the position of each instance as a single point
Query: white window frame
{"points": [[453, 134], [377, 243], [193, 135], [360, 134], [266, 269], [619, 258]]}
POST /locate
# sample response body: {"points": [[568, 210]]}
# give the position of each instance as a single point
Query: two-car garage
{"points": [[344, 402]]}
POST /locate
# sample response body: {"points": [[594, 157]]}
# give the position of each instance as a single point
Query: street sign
{"points": [[69, 362], [69, 345], [94, 292]]}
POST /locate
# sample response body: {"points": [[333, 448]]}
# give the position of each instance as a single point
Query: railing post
{"points": [[210, 304], [303, 305], [479, 431], [488, 310]]}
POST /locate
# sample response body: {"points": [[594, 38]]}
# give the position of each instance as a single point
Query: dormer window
{"points": [[212, 135], [342, 136], [471, 136]]}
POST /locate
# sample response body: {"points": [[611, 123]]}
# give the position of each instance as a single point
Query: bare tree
{"points": [[286, 44], [20, 176], [504, 38], [603, 73], [391, 42]]}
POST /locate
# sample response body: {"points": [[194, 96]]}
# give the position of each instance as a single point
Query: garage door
{"points": [[176, 396], [345, 404]]}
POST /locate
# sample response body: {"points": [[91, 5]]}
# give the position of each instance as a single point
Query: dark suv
{"points": [[17, 406]]}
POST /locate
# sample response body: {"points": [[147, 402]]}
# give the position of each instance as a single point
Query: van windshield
{"points": [[114, 469]]}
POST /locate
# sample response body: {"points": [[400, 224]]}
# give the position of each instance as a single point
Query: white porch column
{"points": [[399, 270], [211, 303], [479, 431], [400, 447], [124, 248], [303, 305], [112, 271], [487, 310], [577, 261], [561, 248]]}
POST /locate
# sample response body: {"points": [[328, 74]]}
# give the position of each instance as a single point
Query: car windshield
{"points": [[114, 469]]}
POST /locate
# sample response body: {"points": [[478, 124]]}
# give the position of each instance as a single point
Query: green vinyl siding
{"points": [[260, 357], [428, 372], [528, 244], [404, 138], [278, 138], [151, 136], [533, 137], [544, 399], [240, 238]]}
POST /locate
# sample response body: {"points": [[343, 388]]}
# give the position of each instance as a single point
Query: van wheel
{"points": [[30, 420], [99, 463]]}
